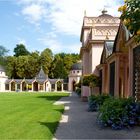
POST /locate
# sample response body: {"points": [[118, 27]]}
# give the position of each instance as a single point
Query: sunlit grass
{"points": [[29, 115]]}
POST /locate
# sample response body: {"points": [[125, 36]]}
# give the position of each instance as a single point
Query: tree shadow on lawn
{"points": [[61, 110], [51, 98], [52, 126]]}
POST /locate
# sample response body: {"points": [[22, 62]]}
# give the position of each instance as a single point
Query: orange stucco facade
{"points": [[95, 31], [122, 81], [110, 51]]}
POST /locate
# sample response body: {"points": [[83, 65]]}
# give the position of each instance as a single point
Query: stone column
{"points": [[62, 87], [55, 86], [130, 86], [117, 75], [26, 86], [9, 86], [38, 87], [108, 78], [15, 86], [20, 86], [126, 78], [44, 87], [103, 79], [32, 87]]}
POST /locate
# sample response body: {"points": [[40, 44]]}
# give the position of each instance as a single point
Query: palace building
{"points": [[110, 51], [95, 31], [41, 83]]}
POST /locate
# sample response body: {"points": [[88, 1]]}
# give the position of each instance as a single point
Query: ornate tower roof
{"points": [[105, 15], [41, 74], [77, 66]]}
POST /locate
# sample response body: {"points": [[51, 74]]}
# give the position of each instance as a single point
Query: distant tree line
{"points": [[25, 64]]}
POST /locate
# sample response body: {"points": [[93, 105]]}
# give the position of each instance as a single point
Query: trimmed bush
{"points": [[119, 113], [91, 79], [94, 102], [78, 91]]}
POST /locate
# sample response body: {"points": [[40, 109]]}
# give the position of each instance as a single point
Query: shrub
{"points": [[94, 102], [78, 91], [91, 79], [119, 113]]}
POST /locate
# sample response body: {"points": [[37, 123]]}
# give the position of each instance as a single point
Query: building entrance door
{"points": [[112, 79], [136, 72]]}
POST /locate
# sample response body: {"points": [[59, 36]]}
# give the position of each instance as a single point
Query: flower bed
{"points": [[94, 102], [119, 113]]}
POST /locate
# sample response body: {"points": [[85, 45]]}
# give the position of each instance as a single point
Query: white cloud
{"points": [[26, 2], [66, 15], [34, 13], [51, 41], [74, 48]]}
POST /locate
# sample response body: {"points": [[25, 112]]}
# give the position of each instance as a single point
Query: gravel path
{"points": [[78, 123]]}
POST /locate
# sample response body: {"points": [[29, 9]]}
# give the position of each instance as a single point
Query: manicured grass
{"points": [[29, 115]]}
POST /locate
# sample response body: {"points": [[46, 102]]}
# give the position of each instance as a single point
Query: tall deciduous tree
{"points": [[11, 67], [34, 60], [61, 65], [69, 60], [23, 66], [58, 68], [20, 50], [29, 65], [131, 16], [3, 51], [46, 59]]}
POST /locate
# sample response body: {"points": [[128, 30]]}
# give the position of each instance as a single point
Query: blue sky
{"points": [[54, 24]]}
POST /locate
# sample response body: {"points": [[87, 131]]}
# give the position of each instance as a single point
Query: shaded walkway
{"points": [[80, 124]]}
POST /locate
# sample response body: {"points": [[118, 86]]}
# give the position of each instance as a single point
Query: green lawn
{"points": [[29, 115]]}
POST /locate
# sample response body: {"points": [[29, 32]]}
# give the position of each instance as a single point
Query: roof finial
{"points": [[104, 11], [85, 13]]}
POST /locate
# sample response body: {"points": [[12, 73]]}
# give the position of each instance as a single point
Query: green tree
{"points": [[34, 60], [20, 50], [76, 57], [58, 68], [11, 67], [69, 60], [28, 66], [3, 52], [62, 64], [131, 17], [46, 59], [23, 67]]}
